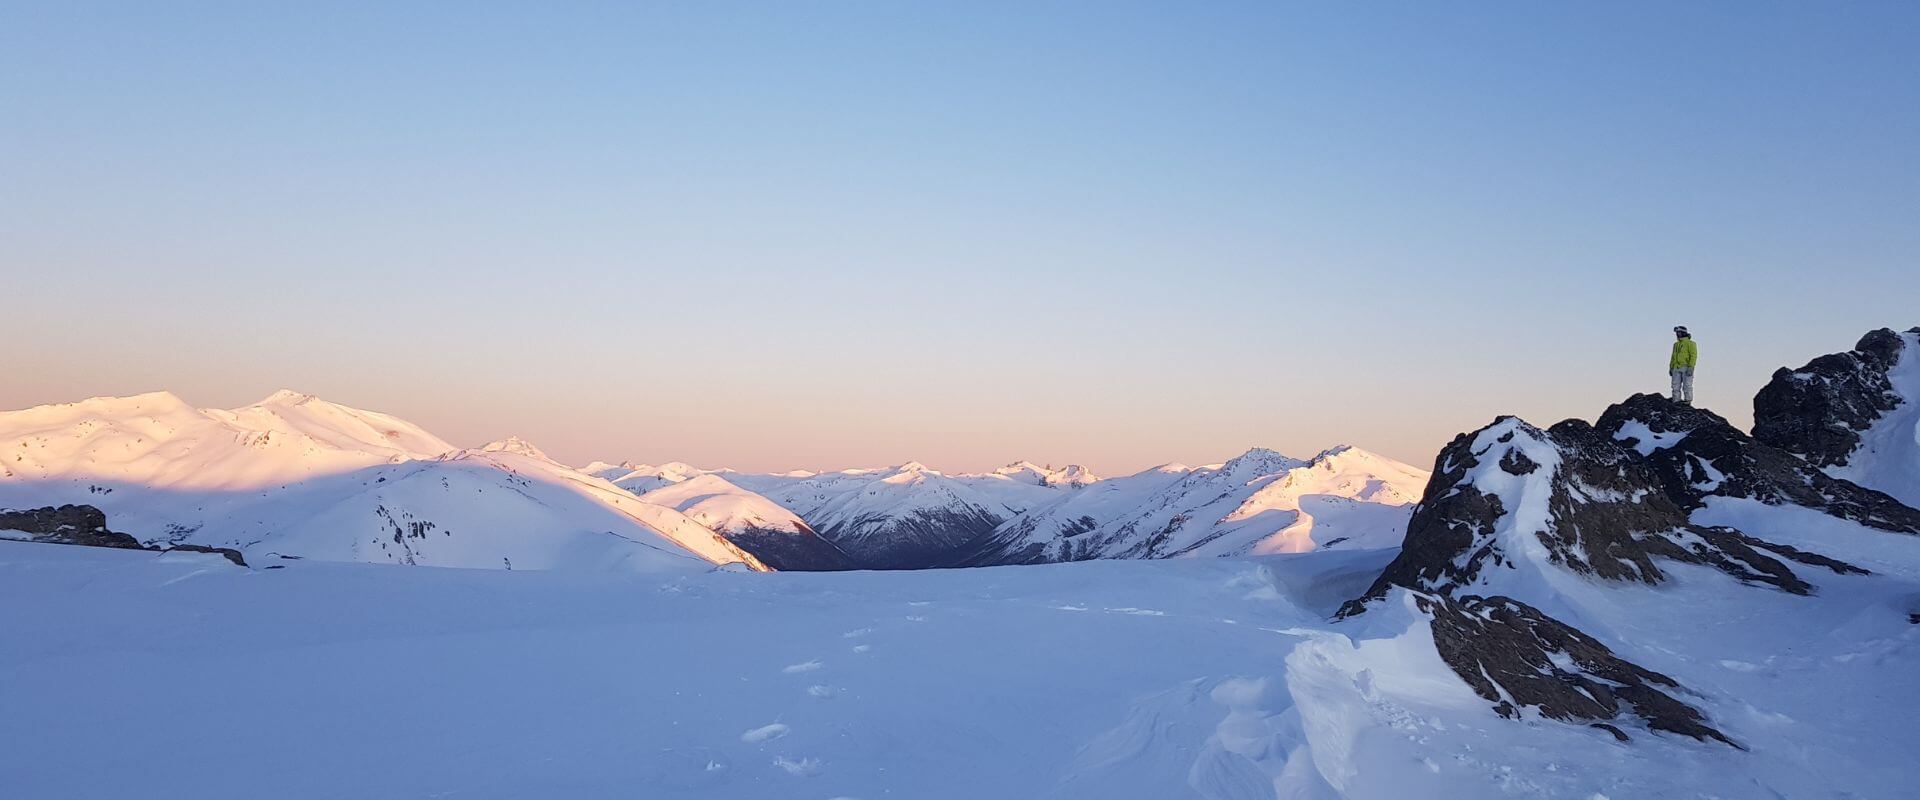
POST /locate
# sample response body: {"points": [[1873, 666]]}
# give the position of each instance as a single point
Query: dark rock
{"points": [[1510, 652], [792, 551], [1517, 463], [1705, 456], [1608, 516], [1818, 411], [229, 553], [87, 526], [81, 525], [1617, 733], [1598, 509]]}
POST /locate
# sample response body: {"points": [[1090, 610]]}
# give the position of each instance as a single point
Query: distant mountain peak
{"points": [[516, 445], [1259, 461], [285, 397]]}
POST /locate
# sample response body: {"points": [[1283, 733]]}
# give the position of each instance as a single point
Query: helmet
{"points": [[1681, 330]]}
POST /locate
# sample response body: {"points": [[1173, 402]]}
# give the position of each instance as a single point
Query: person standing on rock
{"points": [[1680, 365]]}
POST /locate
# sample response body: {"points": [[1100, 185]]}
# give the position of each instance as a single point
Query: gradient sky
{"points": [[825, 234]]}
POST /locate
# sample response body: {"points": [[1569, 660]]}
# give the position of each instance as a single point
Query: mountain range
{"points": [[297, 477]]}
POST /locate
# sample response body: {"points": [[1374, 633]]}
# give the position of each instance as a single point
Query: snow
{"points": [[516, 445], [1888, 458], [297, 476], [126, 670], [717, 503], [1259, 503], [1646, 441]]}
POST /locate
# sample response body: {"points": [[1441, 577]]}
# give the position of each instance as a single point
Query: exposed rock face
{"points": [[1605, 513], [1697, 454], [790, 551], [81, 525], [1510, 652], [87, 526], [1505, 495], [1818, 411]]}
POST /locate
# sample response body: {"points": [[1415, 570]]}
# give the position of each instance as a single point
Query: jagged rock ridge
{"points": [[1819, 411], [1697, 454], [1511, 504]]}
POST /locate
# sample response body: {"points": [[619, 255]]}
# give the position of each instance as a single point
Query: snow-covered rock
{"points": [[1516, 523], [1698, 454], [1855, 414]]}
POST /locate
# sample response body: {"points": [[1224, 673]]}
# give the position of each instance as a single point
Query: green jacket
{"points": [[1685, 354]]}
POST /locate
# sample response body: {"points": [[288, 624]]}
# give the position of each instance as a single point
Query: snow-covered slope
{"points": [[295, 476], [760, 526], [1261, 502]]}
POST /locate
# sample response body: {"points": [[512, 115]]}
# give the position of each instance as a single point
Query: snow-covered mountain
{"points": [[913, 516], [296, 476], [1260, 502], [760, 526], [644, 478], [1023, 485], [906, 517]]}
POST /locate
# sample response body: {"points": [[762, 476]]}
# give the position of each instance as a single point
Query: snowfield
{"points": [[127, 673]]}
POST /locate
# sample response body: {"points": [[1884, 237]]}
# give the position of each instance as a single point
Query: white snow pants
{"points": [[1682, 385]]}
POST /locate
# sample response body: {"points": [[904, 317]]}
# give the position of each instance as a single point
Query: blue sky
{"points": [[822, 234]]}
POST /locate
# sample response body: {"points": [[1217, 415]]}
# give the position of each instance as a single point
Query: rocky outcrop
{"points": [[1511, 497], [86, 526], [1596, 507], [1819, 411], [227, 553], [81, 525], [1513, 655], [1697, 454]]}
